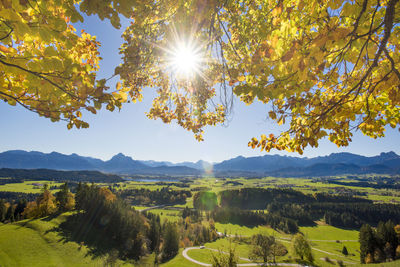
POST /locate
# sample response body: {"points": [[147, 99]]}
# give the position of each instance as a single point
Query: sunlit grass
{"points": [[28, 186], [34, 243], [170, 215]]}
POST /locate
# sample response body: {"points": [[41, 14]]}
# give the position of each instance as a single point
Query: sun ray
{"points": [[185, 59]]}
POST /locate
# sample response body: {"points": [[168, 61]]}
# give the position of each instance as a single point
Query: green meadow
{"points": [[28, 186], [39, 243]]}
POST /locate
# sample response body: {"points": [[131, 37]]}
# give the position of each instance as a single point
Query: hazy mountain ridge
{"points": [[120, 164], [274, 165], [270, 163], [326, 169]]}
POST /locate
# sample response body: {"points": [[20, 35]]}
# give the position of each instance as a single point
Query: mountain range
{"points": [[273, 165]]}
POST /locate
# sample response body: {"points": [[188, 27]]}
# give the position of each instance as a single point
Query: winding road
{"points": [[186, 256]]}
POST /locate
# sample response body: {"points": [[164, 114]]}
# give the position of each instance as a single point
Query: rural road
{"points": [[185, 255], [323, 251]]}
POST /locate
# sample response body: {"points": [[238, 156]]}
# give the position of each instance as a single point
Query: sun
{"points": [[185, 59]]}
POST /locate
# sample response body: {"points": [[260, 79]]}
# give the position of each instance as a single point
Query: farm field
{"points": [[46, 245], [305, 185], [28, 186]]}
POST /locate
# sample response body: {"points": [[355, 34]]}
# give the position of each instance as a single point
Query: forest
{"points": [[288, 208], [165, 196]]}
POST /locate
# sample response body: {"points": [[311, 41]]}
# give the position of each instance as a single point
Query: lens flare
{"points": [[185, 59]]}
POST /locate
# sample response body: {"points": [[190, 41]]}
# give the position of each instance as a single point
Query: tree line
{"points": [[254, 218], [42, 205], [288, 208], [61, 176], [101, 213], [16, 196], [161, 196], [377, 185]]}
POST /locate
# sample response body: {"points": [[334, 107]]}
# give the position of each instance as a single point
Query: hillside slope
{"points": [[35, 243]]}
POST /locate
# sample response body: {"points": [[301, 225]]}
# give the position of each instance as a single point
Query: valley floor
{"points": [[38, 243]]}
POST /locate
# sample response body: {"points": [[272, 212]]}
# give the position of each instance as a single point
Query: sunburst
{"points": [[185, 58]]}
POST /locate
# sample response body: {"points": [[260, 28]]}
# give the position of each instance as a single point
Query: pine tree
{"points": [[391, 240], [3, 210], [367, 242], [171, 241], [61, 197], [20, 209], [154, 235], [10, 213], [344, 251], [65, 199]]}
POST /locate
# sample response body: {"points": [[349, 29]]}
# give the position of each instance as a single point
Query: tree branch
{"points": [[388, 20], [40, 76]]}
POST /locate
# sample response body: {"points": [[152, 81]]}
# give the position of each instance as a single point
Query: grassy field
{"points": [[323, 236], [205, 255], [28, 186], [234, 229], [170, 215], [327, 232], [305, 185], [179, 261], [33, 243]]}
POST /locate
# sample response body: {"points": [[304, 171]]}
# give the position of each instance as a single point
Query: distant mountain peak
{"points": [[389, 154], [120, 156]]}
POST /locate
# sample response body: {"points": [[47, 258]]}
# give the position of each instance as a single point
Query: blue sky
{"points": [[130, 132]]}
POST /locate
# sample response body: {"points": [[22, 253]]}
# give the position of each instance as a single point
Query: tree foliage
{"points": [[44, 205], [205, 200], [123, 227], [324, 69], [225, 259], [171, 241], [301, 248], [65, 199], [266, 248], [288, 208], [345, 251], [165, 195], [46, 66], [378, 245], [3, 210]]}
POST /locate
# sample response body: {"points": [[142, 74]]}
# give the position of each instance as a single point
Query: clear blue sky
{"points": [[130, 132]]}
